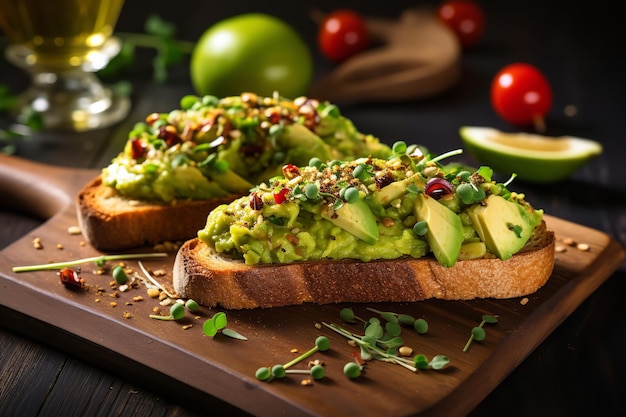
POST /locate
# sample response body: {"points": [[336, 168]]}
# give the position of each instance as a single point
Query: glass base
{"points": [[73, 99], [75, 102]]}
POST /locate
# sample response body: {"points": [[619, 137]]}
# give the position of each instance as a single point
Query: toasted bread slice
{"points": [[213, 279], [112, 222]]}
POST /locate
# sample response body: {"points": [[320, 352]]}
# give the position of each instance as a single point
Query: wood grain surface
{"points": [[201, 368]]}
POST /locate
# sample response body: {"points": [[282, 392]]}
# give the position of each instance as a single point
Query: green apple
{"points": [[534, 158], [252, 52]]}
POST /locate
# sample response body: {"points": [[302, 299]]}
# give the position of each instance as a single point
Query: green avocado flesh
{"points": [[505, 227], [366, 209], [216, 147], [444, 234]]}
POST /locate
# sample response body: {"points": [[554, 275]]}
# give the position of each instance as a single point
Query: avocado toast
{"points": [[402, 228], [177, 166]]}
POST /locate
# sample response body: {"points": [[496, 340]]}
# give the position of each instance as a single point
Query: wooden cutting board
{"points": [[194, 367]]}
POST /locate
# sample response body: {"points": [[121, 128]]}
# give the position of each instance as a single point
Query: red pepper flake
{"points": [[281, 196], [137, 148], [290, 171]]}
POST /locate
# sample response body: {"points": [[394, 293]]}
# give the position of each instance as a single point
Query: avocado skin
{"points": [[444, 235], [503, 225]]}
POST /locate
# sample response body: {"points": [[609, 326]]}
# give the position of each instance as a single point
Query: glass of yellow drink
{"points": [[62, 43]]}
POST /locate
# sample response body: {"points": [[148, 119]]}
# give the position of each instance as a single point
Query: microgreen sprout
{"points": [[154, 281], [420, 325], [177, 312], [322, 344], [100, 261], [119, 274], [159, 35], [347, 315], [478, 333], [370, 350], [217, 324], [352, 370]]}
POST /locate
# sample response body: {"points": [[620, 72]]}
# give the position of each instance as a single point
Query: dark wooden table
{"points": [[577, 371]]}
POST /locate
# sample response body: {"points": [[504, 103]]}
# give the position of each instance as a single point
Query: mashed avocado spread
{"points": [[216, 147], [406, 205]]}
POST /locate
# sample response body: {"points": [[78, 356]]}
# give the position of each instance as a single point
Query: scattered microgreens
{"points": [[217, 324], [478, 333], [159, 35], [267, 374], [370, 349], [100, 261]]}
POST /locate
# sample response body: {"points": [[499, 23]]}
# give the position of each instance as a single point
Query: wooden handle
{"points": [[419, 58], [38, 189]]}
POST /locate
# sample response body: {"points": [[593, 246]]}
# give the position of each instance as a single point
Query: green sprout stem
{"points": [[151, 41], [447, 155], [301, 357], [97, 259], [154, 281], [383, 356]]}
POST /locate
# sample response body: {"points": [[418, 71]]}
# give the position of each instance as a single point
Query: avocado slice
{"points": [[356, 218], [297, 136], [444, 234], [231, 181], [503, 225], [392, 191]]}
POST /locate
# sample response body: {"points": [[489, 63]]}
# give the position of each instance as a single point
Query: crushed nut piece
{"points": [[153, 292], [318, 326], [138, 298], [37, 243], [294, 350], [73, 230], [306, 382], [560, 249], [97, 300], [387, 222], [405, 351], [127, 314], [113, 304], [582, 247], [159, 273], [311, 364], [162, 296], [123, 288], [187, 326], [59, 246], [569, 241], [156, 310], [524, 301]]}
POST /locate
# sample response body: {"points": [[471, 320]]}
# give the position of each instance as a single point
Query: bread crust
{"points": [[111, 222], [212, 279]]}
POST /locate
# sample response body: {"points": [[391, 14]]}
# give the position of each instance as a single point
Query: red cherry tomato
{"points": [[465, 18], [521, 95], [342, 34]]}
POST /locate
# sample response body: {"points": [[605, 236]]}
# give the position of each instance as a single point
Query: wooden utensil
{"points": [[419, 57]]}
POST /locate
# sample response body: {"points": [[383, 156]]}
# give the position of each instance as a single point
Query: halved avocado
{"points": [[444, 234], [355, 218], [503, 225]]}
